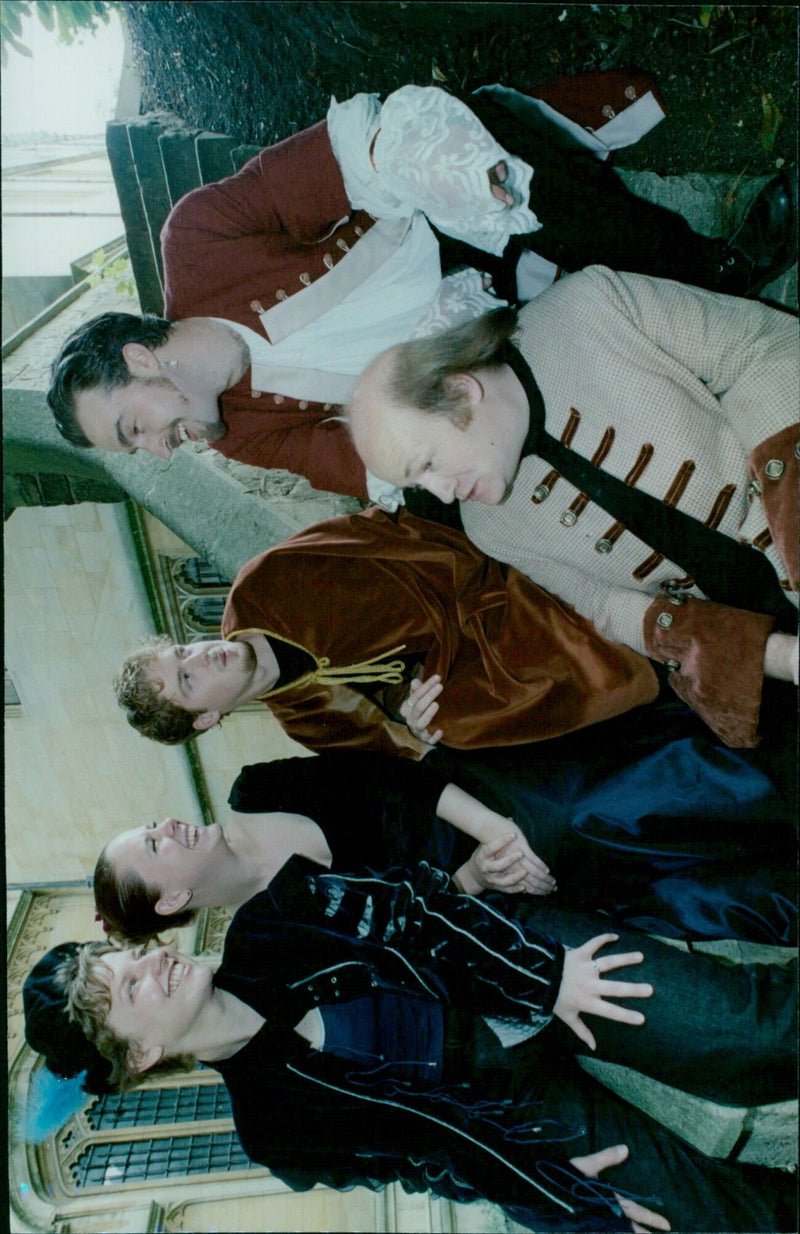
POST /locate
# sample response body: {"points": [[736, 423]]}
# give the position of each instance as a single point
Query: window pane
{"points": [[171, 1157]]}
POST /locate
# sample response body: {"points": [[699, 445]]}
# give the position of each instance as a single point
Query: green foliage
{"points": [[70, 17], [118, 271], [771, 121]]}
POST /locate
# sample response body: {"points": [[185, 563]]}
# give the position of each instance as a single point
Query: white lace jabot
{"points": [[431, 154]]}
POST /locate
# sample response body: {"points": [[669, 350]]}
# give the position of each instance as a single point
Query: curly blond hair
{"points": [[141, 699]]}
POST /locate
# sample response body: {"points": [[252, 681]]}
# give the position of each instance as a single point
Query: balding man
{"points": [[631, 444]]}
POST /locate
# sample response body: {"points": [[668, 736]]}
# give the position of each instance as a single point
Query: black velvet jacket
{"points": [[314, 937]]}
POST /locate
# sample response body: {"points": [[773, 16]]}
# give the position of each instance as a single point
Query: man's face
{"points": [[149, 413], [419, 449], [212, 678], [156, 997], [170, 856]]}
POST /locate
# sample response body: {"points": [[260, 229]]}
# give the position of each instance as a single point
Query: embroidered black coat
{"points": [[314, 937]]}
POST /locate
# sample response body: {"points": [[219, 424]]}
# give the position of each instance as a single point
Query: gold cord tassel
{"points": [[368, 670]]}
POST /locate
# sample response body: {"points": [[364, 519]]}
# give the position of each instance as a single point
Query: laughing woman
{"points": [[351, 1009], [374, 813], [682, 838]]}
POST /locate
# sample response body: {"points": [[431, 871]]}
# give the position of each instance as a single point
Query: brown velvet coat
{"points": [[517, 664]]}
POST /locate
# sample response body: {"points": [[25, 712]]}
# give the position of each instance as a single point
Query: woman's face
{"points": [[169, 856], [157, 999]]}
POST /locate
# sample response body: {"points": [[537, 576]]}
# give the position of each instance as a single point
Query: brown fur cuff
{"points": [[773, 465], [716, 657]]}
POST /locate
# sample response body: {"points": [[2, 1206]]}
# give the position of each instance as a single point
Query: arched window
{"points": [[177, 1130]]}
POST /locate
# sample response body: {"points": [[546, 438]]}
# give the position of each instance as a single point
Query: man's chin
{"points": [[212, 432]]}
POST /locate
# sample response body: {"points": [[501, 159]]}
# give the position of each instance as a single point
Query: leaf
{"points": [[11, 17], [47, 17], [771, 121], [706, 13], [436, 72], [15, 43]]}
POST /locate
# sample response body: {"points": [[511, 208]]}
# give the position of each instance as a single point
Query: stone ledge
{"points": [[762, 1135]]}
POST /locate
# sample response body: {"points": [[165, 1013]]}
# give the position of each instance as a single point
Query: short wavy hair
{"points": [[85, 979], [141, 699], [127, 904], [422, 369], [92, 357]]}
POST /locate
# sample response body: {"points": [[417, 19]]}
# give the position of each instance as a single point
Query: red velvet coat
{"points": [[233, 249]]}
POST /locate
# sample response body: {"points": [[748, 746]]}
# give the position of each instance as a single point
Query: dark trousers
{"points": [[694, 1192], [726, 1032], [589, 217], [539, 1084]]}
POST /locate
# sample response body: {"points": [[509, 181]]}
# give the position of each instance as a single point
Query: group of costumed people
{"points": [[516, 794]]}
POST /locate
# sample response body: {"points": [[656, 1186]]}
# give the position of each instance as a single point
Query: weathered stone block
{"points": [[140, 244], [225, 515], [214, 156], [143, 135], [179, 159], [769, 1133], [243, 154]]}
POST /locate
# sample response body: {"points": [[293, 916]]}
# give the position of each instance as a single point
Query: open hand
{"points": [[420, 707], [508, 864], [583, 989], [497, 176], [642, 1219]]}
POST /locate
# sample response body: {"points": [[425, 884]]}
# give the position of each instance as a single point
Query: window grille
{"points": [[203, 615], [154, 1106], [193, 573], [111, 1164], [117, 1139]]}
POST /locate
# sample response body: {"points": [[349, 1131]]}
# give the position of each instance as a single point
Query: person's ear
{"points": [[206, 719], [468, 386], [175, 902], [140, 1061], [465, 392], [140, 360]]}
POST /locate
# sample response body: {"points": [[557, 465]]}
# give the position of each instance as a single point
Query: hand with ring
{"points": [[582, 989], [420, 707]]}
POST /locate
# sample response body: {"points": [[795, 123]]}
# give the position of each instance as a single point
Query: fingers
{"points": [[580, 1030], [607, 964], [418, 714], [497, 175], [594, 944], [625, 989], [504, 862], [534, 863], [610, 1011], [420, 707], [421, 719], [420, 700], [643, 1219], [595, 1163], [422, 689]]}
